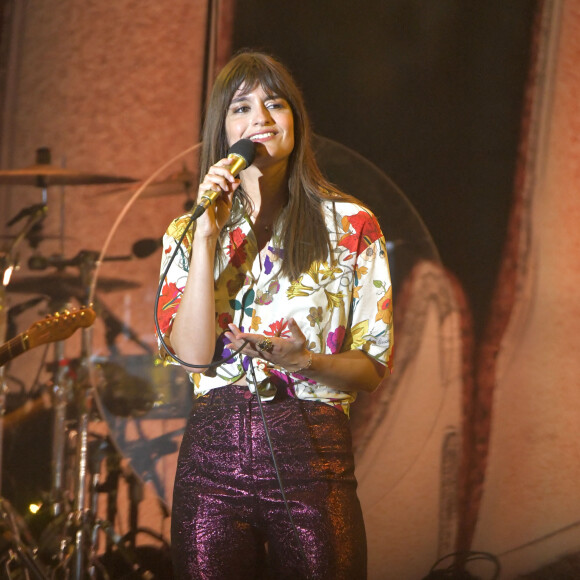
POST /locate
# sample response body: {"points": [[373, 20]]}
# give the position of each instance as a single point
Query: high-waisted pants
{"points": [[229, 520]]}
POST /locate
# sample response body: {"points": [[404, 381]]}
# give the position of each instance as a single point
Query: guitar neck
{"points": [[13, 348]]}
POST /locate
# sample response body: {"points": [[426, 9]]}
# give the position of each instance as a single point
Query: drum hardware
{"points": [[84, 259], [52, 329], [184, 181], [30, 408], [82, 525], [180, 183], [124, 394], [122, 557], [62, 537], [121, 548], [136, 395], [8, 257], [8, 263], [36, 211], [60, 284], [60, 400], [145, 453], [68, 543], [42, 174], [15, 551], [110, 486]]}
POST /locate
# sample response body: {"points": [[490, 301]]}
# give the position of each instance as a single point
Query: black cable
{"points": [[156, 306], [541, 538], [217, 363], [275, 463], [456, 569]]}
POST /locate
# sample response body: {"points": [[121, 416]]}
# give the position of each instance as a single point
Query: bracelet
{"points": [[306, 366]]}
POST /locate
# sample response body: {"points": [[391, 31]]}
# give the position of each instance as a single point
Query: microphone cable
{"points": [[218, 363], [242, 153], [244, 150], [276, 469], [212, 364]]}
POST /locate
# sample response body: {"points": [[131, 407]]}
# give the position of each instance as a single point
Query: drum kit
{"points": [[63, 539]]}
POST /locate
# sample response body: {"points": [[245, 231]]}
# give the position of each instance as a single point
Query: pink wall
{"points": [[530, 502]]}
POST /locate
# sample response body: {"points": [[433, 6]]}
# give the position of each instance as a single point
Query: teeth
{"points": [[261, 136]]}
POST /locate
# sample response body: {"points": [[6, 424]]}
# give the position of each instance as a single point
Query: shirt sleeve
{"points": [[175, 257], [371, 320]]}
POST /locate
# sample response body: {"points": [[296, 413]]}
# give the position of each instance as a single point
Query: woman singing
{"points": [[285, 285]]}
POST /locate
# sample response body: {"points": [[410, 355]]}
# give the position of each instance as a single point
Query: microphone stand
{"points": [[81, 516], [59, 403], [84, 520]]}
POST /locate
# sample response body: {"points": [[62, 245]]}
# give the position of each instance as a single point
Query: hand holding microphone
{"points": [[242, 152]]}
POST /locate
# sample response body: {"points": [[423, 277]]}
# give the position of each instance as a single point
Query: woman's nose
{"points": [[262, 116]]}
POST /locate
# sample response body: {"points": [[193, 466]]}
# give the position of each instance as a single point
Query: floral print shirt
{"points": [[340, 304]]}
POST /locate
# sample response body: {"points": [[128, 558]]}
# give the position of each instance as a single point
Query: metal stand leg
{"points": [[59, 397], [17, 553]]}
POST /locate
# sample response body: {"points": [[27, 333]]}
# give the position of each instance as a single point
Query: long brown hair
{"points": [[301, 228]]}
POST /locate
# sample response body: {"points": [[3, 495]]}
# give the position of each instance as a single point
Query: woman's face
{"points": [[263, 118]]}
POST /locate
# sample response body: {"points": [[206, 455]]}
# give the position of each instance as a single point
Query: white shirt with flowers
{"points": [[340, 304]]}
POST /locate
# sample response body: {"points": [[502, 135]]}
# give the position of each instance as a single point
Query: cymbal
{"points": [[178, 183], [44, 174], [63, 284], [183, 181]]}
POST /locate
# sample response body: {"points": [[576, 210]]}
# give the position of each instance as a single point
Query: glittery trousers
{"points": [[229, 520]]}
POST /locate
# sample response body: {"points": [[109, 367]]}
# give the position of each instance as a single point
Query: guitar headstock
{"points": [[59, 326]]}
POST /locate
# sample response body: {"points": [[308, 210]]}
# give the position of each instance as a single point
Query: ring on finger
{"points": [[265, 344]]}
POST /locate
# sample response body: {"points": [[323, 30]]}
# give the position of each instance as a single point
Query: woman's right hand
{"points": [[218, 178]]}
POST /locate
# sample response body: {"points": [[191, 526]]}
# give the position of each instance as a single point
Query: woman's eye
{"points": [[241, 109], [275, 105]]}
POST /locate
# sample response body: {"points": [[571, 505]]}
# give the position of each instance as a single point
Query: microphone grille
{"points": [[244, 148]]}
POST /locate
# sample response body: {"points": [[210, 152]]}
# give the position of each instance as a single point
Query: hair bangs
{"points": [[250, 71]]}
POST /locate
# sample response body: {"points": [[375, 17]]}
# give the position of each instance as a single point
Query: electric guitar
{"points": [[59, 326]]}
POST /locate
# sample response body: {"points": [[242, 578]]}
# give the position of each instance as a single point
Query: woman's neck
{"points": [[268, 191]]}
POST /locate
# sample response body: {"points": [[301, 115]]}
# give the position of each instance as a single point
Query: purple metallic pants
{"points": [[229, 520]]}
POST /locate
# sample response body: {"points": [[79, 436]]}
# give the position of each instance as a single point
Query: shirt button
{"points": [[247, 395]]}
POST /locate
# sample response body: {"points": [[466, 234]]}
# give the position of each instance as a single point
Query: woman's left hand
{"points": [[289, 353]]}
